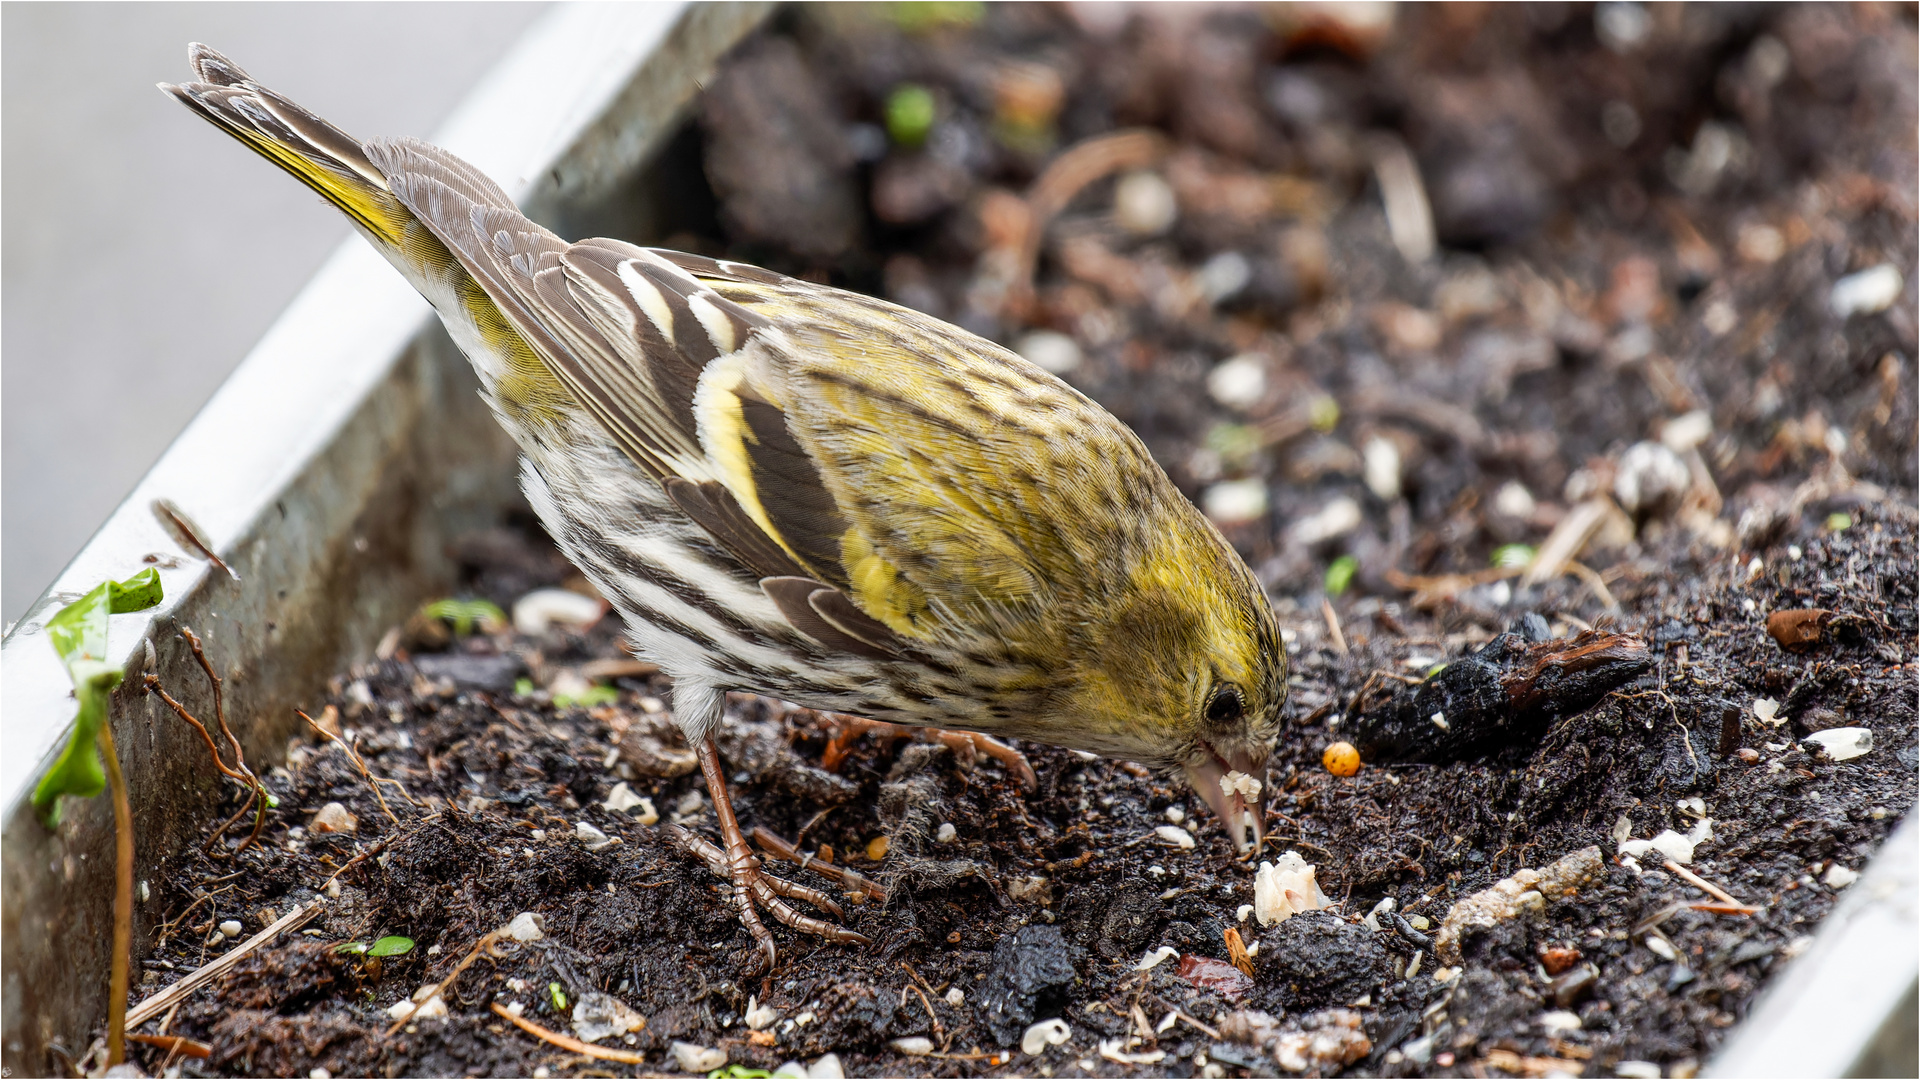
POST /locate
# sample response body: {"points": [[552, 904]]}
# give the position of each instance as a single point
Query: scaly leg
{"points": [[752, 886], [963, 743]]}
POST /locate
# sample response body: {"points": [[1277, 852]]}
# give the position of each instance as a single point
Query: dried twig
{"points": [[1725, 909], [1333, 626], [1595, 582], [366, 774], [384, 843], [1706, 886], [211, 970], [939, 1032], [166, 928], [568, 1042], [485, 944], [187, 534], [166, 1025], [1074, 169], [1210, 1032], [175, 1045]]}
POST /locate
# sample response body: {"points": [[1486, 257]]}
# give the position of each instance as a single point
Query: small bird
{"points": [[789, 489]]}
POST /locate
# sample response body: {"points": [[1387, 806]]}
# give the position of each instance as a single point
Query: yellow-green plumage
{"points": [[791, 489]]}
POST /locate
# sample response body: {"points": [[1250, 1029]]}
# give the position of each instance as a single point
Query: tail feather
{"points": [[323, 157]]}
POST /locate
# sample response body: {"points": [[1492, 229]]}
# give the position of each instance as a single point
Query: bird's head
{"points": [[1186, 671]]}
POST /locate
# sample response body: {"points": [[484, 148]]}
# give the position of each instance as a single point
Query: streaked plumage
{"points": [[794, 490]]}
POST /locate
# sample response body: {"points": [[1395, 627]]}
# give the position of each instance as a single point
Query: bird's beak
{"points": [[1236, 789]]}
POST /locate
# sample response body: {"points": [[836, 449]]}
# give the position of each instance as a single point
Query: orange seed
{"points": [[1341, 759]]}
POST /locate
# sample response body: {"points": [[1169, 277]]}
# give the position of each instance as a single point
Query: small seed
{"points": [[1341, 759]]}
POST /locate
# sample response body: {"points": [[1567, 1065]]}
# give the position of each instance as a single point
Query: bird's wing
{"points": [[982, 493], [890, 478], [659, 359]]}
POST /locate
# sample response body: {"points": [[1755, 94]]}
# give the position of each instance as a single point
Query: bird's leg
{"points": [[752, 886], [963, 743]]}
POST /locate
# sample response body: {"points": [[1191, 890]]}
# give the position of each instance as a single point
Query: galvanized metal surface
{"points": [[330, 471]]}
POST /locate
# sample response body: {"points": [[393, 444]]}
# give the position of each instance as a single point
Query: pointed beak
{"points": [[1236, 789]]}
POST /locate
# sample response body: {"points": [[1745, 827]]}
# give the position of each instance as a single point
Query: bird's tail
{"points": [[318, 154]]}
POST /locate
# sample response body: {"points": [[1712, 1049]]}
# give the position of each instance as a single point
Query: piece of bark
{"points": [[1512, 688]]}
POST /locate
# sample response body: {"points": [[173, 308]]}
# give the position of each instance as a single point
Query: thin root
{"points": [[366, 774], [568, 1042], [238, 772]]}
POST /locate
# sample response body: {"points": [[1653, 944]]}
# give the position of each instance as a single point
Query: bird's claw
{"points": [[754, 888]]}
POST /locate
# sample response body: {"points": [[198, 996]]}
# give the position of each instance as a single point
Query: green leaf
{"points": [[463, 614], [910, 114], [738, 1072], [1340, 574], [79, 631], [1324, 413], [78, 634], [558, 995], [523, 686], [137, 593], [1839, 521], [1235, 443], [392, 945], [598, 695], [924, 15], [79, 771], [1511, 556]]}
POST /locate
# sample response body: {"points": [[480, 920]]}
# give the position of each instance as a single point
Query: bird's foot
{"points": [[851, 880], [754, 888], [965, 744]]}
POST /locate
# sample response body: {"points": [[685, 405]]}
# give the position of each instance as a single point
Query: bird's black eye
{"points": [[1225, 706]]}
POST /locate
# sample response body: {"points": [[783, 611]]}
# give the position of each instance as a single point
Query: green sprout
{"points": [[920, 16], [1513, 556], [910, 115], [1340, 574], [465, 614], [391, 945], [79, 635], [1839, 521], [738, 1072], [1235, 443], [558, 995], [1324, 413], [522, 686], [598, 695]]}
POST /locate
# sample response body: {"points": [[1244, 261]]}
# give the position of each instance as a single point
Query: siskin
{"points": [[797, 491]]}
